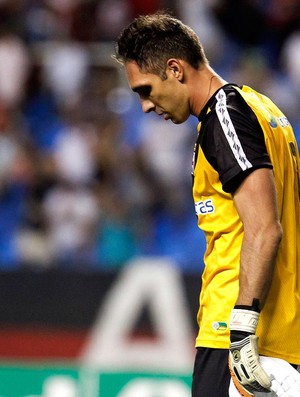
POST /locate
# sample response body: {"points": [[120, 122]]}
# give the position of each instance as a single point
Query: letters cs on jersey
{"points": [[204, 207]]}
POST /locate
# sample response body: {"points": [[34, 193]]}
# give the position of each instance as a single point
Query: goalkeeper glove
{"points": [[246, 371]]}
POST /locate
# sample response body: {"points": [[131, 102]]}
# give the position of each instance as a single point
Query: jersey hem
{"points": [[209, 344], [264, 352], [289, 358]]}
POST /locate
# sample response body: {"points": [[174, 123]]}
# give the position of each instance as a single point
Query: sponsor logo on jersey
{"points": [[283, 121], [204, 207], [273, 122], [219, 325]]}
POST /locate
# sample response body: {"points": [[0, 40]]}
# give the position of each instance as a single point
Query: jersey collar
{"points": [[211, 100]]}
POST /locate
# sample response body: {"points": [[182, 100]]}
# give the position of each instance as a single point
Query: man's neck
{"points": [[203, 84]]}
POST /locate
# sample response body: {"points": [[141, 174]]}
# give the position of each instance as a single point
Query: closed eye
{"points": [[143, 91]]}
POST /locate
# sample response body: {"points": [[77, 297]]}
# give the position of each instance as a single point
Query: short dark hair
{"points": [[150, 40]]}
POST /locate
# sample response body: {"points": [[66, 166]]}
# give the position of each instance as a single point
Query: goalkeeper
{"points": [[246, 193]]}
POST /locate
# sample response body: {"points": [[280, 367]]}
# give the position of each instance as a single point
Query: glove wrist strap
{"points": [[244, 320]]}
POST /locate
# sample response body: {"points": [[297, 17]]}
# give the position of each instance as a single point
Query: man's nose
{"points": [[147, 105]]}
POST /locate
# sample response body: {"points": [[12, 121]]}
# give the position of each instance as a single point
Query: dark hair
{"points": [[150, 40]]}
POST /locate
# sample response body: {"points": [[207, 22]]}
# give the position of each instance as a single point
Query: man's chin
{"points": [[178, 121], [174, 119]]}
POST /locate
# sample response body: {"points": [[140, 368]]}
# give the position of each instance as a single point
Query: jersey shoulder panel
{"points": [[231, 138]]}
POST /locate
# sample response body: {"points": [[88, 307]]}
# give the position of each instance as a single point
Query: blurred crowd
{"points": [[86, 180]]}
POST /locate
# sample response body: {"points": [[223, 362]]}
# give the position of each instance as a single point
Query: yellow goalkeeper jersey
{"points": [[241, 130]]}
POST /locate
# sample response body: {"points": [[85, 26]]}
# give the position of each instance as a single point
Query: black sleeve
{"points": [[236, 152]]}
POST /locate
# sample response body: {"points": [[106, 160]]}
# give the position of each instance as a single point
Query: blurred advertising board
{"points": [[123, 334], [40, 380]]}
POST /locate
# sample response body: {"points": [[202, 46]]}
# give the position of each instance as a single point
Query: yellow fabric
{"points": [[279, 324]]}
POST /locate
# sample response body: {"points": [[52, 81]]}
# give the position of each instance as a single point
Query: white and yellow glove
{"points": [[246, 370]]}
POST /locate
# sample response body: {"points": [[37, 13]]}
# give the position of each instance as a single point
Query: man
{"points": [[246, 192]]}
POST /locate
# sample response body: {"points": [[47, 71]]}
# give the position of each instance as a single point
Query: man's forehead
{"points": [[136, 77], [132, 68]]}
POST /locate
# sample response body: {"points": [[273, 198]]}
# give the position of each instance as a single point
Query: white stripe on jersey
{"points": [[229, 131]]}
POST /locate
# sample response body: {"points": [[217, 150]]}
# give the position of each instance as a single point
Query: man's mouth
{"points": [[165, 115]]}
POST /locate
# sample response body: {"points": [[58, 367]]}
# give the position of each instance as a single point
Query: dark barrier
{"points": [[49, 313]]}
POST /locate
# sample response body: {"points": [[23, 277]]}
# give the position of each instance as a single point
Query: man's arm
{"points": [[256, 203]]}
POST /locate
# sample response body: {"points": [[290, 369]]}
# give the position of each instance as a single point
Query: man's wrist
{"points": [[244, 320], [255, 305]]}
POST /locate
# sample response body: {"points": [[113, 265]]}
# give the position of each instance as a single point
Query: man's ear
{"points": [[175, 67]]}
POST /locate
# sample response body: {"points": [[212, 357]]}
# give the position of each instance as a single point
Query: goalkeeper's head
{"points": [[150, 40]]}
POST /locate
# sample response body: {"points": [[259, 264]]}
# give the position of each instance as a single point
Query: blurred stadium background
{"points": [[100, 255]]}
